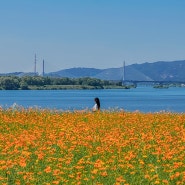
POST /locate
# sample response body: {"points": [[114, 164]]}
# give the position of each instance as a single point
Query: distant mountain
{"points": [[117, 74], [20, 74], [156, 71], [163, 71], [11, 74], [76, 72], [104, 74]]}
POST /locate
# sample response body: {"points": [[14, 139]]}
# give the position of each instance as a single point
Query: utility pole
{"points": [[123, 80]]}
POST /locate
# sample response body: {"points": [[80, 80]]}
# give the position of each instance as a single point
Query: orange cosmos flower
{"points": [[22, 163], [47, 169], [55, 182], [104, 174], [165, 181], [99, 163]]}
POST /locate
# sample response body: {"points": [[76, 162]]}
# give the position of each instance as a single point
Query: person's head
{"points": [[97, 102]]}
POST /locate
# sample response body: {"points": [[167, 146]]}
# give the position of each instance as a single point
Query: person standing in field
{"points": [[96, 106]]}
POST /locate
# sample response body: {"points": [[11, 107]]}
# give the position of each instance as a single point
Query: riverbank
{"points": [[77, 87]]}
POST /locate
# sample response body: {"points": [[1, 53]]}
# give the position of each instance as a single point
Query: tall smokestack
{"points": [[43, 68], [35, 65]]}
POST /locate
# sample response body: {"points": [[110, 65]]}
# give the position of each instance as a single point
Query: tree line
{"points": [[39, 82]]}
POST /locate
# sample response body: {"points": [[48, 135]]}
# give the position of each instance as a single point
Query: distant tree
{"points": [[91, 81], [10, 83], [36, 80], [27, 79], [23, 85], [30, 82], [47, 80], [62, 81]]}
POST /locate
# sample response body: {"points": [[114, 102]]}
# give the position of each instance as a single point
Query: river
{"points": [[142, 98]]}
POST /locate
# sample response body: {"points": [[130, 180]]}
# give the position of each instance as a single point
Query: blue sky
{"points": [[89, 33]]}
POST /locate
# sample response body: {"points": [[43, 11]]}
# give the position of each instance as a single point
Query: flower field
{"points": [[49, 147]]}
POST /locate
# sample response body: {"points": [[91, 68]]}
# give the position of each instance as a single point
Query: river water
{"points": [[142, 98]]}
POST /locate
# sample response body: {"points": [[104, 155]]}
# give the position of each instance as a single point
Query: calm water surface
{"points": [[144, 99]]}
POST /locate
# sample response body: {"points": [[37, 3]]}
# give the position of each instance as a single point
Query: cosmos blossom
{"points": [[91, 148]]}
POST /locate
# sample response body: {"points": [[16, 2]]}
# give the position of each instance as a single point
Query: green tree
{"points": [[10, 83]]}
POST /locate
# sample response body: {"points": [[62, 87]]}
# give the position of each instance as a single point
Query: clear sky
{"points": [[89, 33]]}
